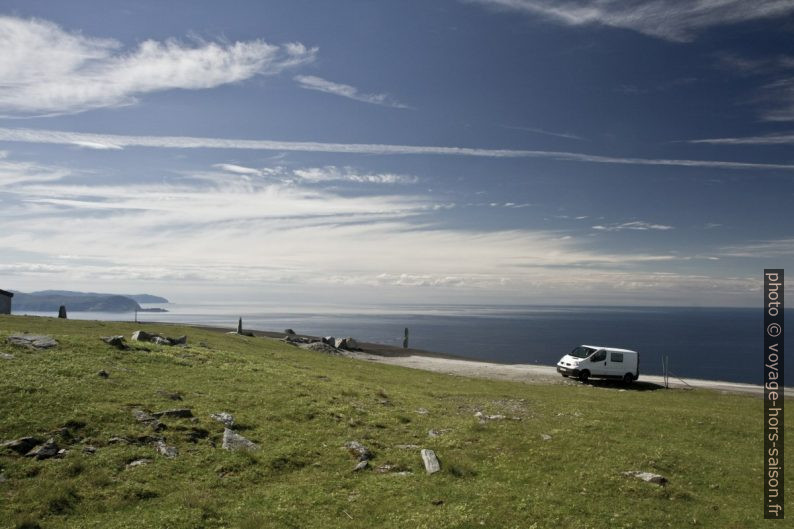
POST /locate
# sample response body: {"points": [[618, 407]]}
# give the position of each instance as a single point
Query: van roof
{"points": [[609, 348]]}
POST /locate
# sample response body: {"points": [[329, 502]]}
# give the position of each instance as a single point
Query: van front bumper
{"points": [[568, 371]]}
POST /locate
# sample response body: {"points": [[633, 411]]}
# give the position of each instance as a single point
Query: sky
{"points": [[579, 152]]}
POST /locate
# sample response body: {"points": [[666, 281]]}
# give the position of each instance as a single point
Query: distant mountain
{"points": [[146, 298], [50, 300]]}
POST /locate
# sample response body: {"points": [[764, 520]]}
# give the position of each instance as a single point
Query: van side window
{"points": [[616, 357], [599, 356]]}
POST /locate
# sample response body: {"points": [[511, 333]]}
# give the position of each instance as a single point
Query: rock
{"points": [[289, 331], [115, 341], [44, 451], [430, 460], [103, 374], [21, 446], [138, 463], [6, 356], [141, 336], [359, 451], [422, 411], [339, 343], [385, 468], [161, 340], [361, 465], [434, 433], [88, 449], [321, 347], [545, 437], [234, 441], [227, 419], [646, 476], [181, 340], [32, 341], [168, 451], [142, 416], [62, 312], [62, 452], [437, 502], [482, 417], [178, 413], [330, 340], [118, 440]]}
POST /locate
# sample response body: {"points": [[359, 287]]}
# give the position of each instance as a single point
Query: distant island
{"points": [[50, 300]]}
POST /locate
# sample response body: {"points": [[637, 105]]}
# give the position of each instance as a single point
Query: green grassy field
{"points": [[302, 407]]}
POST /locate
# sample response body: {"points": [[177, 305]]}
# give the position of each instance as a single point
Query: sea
{"points": [[705, 343]]}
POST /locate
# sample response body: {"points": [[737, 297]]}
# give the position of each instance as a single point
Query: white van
{"points": [[588, 361]]}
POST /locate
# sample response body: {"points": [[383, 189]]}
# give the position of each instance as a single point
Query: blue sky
{"points": [[481, 151]]}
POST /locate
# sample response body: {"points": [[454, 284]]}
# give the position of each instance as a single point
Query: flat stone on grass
{"points": [[234, 441], [649, 477], [33, 341]]}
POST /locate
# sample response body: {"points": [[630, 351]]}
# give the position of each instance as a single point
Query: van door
{"points": [[598, 363], [617, 363]]}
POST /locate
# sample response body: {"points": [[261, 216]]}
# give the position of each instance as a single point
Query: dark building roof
{"points": [[6, 293]]}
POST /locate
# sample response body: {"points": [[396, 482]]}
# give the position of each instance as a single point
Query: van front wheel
{"points": [[584, 375], [628, 378]]}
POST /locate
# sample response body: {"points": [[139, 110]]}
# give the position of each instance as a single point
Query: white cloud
{"points": [[636, 225], [311, 82], [45, 69], [675, 20], [188, 142], [769, 139], [768, 249], [331, 173], [13, 172]]}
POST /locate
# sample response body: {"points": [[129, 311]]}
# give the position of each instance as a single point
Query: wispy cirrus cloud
{"points": [[636, 225], [312, 82], [566, 135], [188, 142], [768, 139], [674, 20], [45, 69], [328, 173]]}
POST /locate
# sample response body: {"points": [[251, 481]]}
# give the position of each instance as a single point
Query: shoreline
{"points": [[527, 373]]}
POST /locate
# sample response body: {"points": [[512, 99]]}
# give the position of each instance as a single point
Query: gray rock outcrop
{"points": [[32, 341], [234, 441], [227, 419]]}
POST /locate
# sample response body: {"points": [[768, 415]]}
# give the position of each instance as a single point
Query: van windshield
{"points": [[582, 352]]}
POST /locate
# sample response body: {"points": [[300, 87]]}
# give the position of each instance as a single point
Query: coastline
{"points": [[527, 373]]}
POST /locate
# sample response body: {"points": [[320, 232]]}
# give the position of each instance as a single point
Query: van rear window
{"points": [[616, 357]]}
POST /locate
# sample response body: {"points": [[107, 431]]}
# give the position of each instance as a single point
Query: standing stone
{"points": [[240, 326], [430, 460], [62, 312], [405, 339]]}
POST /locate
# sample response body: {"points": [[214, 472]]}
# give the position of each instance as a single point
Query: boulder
{"points": [[45, 450], [168, 451], [181, 340], [430, 460], [289, 331], [227, 419], [330, 340], [103, 374], [142, 416], [362, 465], [646, 476], [359, 451], [161, 340], [21, 446], [138, 463], [32, 341], [115, 341], [178, 413], [234, 441], [545, 437], [321, 347], [142, 336], [340, 343]]}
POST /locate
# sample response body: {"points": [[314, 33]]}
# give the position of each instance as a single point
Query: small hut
{"points": [[5, 301]]}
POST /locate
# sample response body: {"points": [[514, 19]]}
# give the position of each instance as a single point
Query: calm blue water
{"points": [[719, 344]]}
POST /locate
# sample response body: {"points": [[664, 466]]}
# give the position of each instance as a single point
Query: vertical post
{"points": [[405, 339], [240, 326]]}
